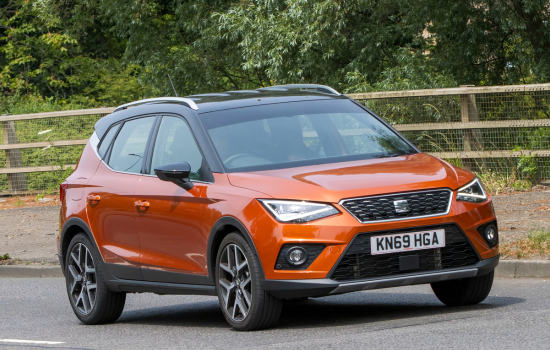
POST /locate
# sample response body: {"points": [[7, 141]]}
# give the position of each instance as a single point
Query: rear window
{"points": [[107, 140], [299, 133], [129, 146]]}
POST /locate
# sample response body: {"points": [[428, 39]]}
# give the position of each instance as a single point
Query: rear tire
{"points": [[466, 291], [245, 304], [91, 300]]}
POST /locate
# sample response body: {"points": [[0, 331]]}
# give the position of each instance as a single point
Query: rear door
{"points": [[173, 243], [110, 196]]}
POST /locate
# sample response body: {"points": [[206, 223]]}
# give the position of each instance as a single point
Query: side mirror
{"points": [[177, 173]]}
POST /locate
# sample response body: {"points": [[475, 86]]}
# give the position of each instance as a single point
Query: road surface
{"points": [[516, 315]]}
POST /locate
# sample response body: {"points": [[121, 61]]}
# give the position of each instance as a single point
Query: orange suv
{"points": [[262, 196]]}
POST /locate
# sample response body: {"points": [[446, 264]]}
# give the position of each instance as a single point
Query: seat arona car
{"points": [[261, 196]]}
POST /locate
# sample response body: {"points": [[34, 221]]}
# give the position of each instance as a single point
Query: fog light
{"points": [[296, 256], [491, 235]]}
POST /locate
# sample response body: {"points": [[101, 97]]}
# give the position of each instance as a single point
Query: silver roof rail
{"points": [[188, 101], [302, 87]]}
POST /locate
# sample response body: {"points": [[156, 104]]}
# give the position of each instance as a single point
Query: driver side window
{"points": [[175, 144]]}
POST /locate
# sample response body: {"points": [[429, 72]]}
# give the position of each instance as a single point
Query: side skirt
{"points": [[119, 285], [129, 279]]}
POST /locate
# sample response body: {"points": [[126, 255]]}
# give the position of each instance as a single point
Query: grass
{"points": [[4, 257], [496, 183], [537, 243]]}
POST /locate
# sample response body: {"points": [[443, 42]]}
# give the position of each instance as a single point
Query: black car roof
{"points": [[245, 98], [204, 103]]}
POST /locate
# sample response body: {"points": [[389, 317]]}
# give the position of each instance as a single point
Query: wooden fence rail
{"points": [[470, 124], [462, 90]]}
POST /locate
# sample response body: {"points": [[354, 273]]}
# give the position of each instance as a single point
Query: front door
{"points": [[110, 198], [173, 242]]}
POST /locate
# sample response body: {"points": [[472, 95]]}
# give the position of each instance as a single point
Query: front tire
{"points": [[245, 304], [91, 300], [466, 291]]}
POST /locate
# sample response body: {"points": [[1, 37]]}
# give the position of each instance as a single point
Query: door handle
{"points": [[142, 205], [93, 198]]}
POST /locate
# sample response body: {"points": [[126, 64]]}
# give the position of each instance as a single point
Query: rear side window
{"points": [[175, 144], [129, 147], [107, 140]]}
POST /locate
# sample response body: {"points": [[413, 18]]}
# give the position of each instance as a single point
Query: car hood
{"points": [[335, 181]]}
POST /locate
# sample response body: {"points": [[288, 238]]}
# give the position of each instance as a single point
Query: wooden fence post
{"points": [[472, 139], [16, 182]]}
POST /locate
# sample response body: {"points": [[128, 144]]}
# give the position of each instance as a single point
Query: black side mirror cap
{"points": [[177, 173]]}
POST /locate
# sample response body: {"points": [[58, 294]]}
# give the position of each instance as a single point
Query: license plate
{"points": [[405, 242]]}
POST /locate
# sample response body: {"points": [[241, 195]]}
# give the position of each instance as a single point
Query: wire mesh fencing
{"points": [[500, 129], [491, 130], [37, 151]]}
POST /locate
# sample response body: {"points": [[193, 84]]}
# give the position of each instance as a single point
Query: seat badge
{"points": [[401, 206]]}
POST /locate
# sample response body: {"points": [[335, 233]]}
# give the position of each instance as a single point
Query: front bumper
{"points": [[338, 231], [324, 286]]}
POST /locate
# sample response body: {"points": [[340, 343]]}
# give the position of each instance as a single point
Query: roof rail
{"points": [[187, 101], [317, 87]]}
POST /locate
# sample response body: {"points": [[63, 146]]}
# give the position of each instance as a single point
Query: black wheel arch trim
{"points": [[217, 228], [70, 223]]}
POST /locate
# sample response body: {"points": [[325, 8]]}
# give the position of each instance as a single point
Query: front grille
{"points": [[382, 208], [358, 263]]}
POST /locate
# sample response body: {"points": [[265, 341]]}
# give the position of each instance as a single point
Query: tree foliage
{"points": [[488, 41], [99, 49], [41, 56]]}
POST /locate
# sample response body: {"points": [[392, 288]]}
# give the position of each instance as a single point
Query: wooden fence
{"points": [[478, 127], [14, 169]]}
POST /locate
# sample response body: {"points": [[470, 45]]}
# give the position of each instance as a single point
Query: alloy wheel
{"points": [[82, 279], [235, 282]]}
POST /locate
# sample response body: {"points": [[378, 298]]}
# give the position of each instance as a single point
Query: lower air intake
{"points": [[358, 262]]}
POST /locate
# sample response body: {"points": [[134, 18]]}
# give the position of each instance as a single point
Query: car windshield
{"points": [[284, 135]]}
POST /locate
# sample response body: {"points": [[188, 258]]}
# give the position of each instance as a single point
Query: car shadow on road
{"points": [[348, 309], [192, 314], [378, 307]]}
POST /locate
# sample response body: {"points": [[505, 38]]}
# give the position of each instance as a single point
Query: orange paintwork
{"points": [[113, 219], [73, 206], [333, 182], [171, 233], [170, 227]]}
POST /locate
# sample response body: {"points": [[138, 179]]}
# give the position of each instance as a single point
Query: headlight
{"points": [[472, 192], [297, 212]]}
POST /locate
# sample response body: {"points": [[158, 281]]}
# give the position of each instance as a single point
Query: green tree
{"points": [[178, 37], [34, 57], [59, 46], [318, 41], [40, 56], [487, 42]]}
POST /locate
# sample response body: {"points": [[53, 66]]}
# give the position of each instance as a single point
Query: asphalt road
{"points": [[516, 315]]}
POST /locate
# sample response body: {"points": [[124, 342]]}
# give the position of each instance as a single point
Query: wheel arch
{"points": [[220, 229], [71, 228]]}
